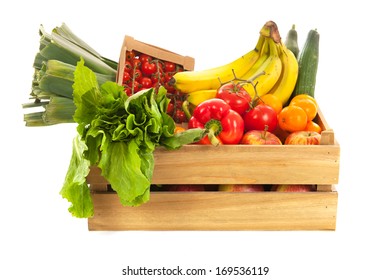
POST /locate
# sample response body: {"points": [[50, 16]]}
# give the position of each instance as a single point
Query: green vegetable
{"points": [[54, 65], [291, 41], [118, 134], [308, 65]]}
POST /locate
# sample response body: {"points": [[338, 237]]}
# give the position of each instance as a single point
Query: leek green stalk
{"points": [[53, 78]]}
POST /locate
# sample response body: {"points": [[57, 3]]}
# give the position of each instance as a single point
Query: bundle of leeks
{"points": [[51, 92]]}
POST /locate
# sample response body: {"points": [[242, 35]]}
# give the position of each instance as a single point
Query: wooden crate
{"points": [[231, 164]]}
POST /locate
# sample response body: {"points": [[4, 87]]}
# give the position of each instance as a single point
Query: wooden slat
{"points": [[218, 211], [243, 164], [326, 188], [248, 164]]}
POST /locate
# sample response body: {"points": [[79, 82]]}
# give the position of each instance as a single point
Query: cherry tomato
{"points": [[130, 55], [170, 66], [157, 77], [169, 87], [179, 116], [259, 117], [236, 96], [145, 58], [128, 66], [136, 74], [128, 90], [136, 63], [146, 82], [126, 77], [148, 68], [170, 108], [134, 86]]}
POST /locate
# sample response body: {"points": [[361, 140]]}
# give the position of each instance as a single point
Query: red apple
{"points": [[293, 188], [260, 137], [241, 188], [303, 138], [184, 188]]}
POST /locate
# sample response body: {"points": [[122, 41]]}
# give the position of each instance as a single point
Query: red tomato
{"points": [[146, 82], [126, 77], [145, 58], [128, 66], [179, 116], [170, 66], [148, 68], [136, 63], [260, 117], [236, 96], [136, 74], [170, 108], [130, 55], [134, 86], [128, 90], [157, 78]]}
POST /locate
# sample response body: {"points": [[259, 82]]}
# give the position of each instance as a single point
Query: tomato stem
{"points": [[256, 98]]}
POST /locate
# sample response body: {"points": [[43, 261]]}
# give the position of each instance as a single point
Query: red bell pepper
{"points": [[223, 125]]}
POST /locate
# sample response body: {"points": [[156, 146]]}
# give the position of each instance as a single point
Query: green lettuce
{"points": [[118, 134]]}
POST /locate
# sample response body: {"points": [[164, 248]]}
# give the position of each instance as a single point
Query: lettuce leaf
{"points": [[118, 134], [75, 188]]}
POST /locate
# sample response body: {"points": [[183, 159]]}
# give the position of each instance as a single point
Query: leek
{"points": [[54, 65]]}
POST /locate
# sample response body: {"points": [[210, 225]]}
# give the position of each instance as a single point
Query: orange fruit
{"points": [[305, 96], [292, 118], [272, 101], [313, 126], [179, 129], [307, 103]]}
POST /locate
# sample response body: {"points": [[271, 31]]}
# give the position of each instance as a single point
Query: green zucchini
{"points": [[308, 65], [291, 41]]}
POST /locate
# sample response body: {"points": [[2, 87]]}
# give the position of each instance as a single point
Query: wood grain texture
{"points": [[218, 211], [247, 164]]}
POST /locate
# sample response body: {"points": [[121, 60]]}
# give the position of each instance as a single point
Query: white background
{"points": [[39, 238]]}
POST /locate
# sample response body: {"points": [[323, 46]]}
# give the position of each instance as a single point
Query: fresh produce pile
{"points": [[265, 97], [268, 93]]}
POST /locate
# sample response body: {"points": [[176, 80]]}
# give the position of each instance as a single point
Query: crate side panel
{"points": [[218, 211], [247, 164]]}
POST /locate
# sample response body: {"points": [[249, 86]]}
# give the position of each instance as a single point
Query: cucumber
{"points": [[291, 41], [308, 65]]}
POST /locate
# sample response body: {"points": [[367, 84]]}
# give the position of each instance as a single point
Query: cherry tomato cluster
{"points": [[143, 71]]}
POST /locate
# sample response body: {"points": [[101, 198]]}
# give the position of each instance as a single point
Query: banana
{"points": [[190, 81], [197, 97], [288, 78], [254, 70], [265, 76]]}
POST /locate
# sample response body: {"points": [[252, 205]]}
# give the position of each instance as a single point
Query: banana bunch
{"points": [[268, 68]]}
